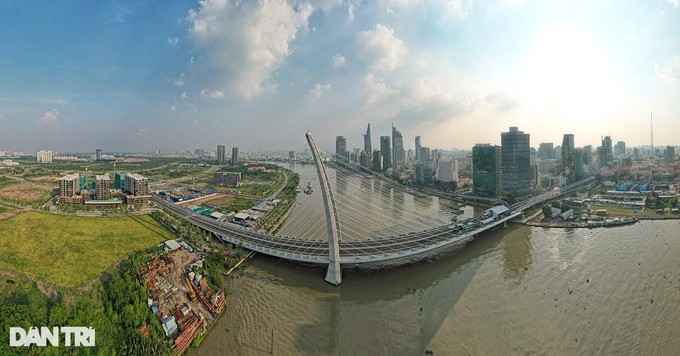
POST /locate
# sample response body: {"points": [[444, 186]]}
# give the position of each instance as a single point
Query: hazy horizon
{"points": [[141, 77]]}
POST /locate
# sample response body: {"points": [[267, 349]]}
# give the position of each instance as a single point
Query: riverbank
{"points": [[581, 224]]}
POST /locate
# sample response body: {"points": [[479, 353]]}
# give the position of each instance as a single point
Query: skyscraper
{"points": [[568, 156], [385, 152], [378, 160], [607, 153], [515, 157], [486, 170], [221, 154], [398, 154], [545, 150], [234, 156], [341, 148], [579, 172], [670, 154], [620, 148], [98, 154], [367, 140], [418, 148]]}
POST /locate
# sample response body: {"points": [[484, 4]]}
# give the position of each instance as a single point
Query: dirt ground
{"points": [[182, 258], [25, 192]]}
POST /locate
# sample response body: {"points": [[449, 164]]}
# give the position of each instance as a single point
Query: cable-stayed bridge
{"points": [[362, 219]]}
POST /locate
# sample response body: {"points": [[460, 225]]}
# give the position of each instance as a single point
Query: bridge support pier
{"points": [[334, 272]]}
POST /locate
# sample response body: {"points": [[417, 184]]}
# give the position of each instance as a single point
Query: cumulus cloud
{"points": [[213, 94], [319, 90], [173, 40], [671, 72], [458, 8], [376, 89], [339, 61], [674, 3], [49, 117], [244, 41], [501, 100], [379, 48], [183, 95]]}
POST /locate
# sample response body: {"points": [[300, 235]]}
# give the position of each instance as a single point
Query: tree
{"points": [[547, 211]]}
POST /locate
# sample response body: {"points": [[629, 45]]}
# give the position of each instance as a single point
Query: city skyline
{"points": [[116, 76]]}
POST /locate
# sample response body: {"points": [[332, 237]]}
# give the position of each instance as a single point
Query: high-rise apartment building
{"points": [[136, 184], [545, 151], [486, 170], [102, 185], [418, 148], [515, 158], [221, 154], [377, 161], [341, 148], [620, 148], [670, 154], [234, 156], [579, 172], [68, 185], [447, 171], [606, 155], [568, 156], [98, 154], [385, 152], [44, 157]]}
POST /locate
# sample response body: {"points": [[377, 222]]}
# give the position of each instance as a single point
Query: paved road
{"points": [[316, 251]]}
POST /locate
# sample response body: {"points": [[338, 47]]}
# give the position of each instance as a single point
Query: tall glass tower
{"points": [[516, 157]]}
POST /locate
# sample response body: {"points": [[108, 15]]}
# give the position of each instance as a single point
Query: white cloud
{"points": [[501, 100], [670, 73], [376, 89], [319, 90], [183, 95], [458, 8], [49, 117], [339, 61], [244, 41], [674, 3], [173, 40], [421, 64], [173, 108], [140, 132], [213, 94], [379, 48], [326, 5], [180, 82], [400, 3]]}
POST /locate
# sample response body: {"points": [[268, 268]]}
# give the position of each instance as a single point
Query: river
{"points": [[520, 290]]}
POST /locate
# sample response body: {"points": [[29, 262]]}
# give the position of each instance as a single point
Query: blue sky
{"points": [[147, 75]]}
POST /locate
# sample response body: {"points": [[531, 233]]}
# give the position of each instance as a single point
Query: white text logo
{"points": [[72, 336]]}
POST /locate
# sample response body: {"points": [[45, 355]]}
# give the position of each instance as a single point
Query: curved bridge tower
{"points": [[334, 272]]}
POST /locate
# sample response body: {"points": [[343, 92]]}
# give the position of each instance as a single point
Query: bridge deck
{"points": [[316, 251]]}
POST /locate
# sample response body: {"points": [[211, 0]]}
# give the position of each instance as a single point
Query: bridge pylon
{"points": [[334, 271]]}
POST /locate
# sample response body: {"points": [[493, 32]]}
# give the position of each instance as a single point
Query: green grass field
{"points": [[70, 250]]}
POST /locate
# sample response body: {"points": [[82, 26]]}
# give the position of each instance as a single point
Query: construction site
{"points": [[179, 295]]}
